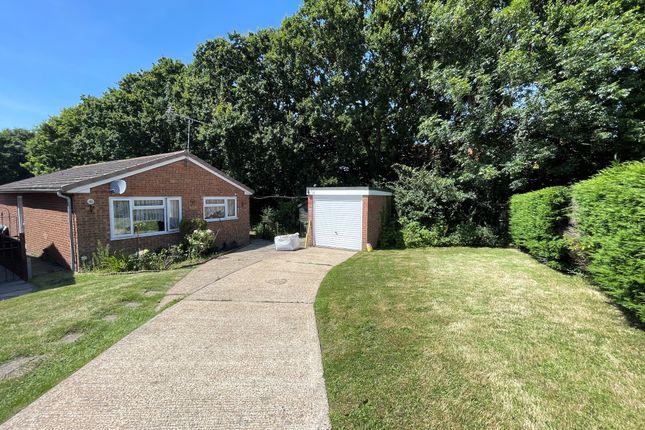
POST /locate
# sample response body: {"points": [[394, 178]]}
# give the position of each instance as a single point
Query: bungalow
{"points": [[131, 204]]}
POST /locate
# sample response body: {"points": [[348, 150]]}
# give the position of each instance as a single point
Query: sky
{"points": [[54, 51]]}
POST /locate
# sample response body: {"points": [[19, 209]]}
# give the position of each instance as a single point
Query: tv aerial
{"points": [[189, 122]]}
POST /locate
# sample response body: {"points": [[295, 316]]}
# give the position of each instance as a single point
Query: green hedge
{"points": [[536, 223], [610, 217]]}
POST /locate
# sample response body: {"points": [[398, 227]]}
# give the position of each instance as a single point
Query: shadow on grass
{"points": [[571, 268], [53, 280]]}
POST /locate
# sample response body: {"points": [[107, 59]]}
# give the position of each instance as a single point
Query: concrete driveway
{"points": [[240, 351]]}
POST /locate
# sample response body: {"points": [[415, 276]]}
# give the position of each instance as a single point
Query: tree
{"points": [[495, 97], [12, 154], [126, 121]]}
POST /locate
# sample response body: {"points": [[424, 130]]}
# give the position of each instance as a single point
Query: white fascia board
{"points": [[347, 192], [87, 187]]}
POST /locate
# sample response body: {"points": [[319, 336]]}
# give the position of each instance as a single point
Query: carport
{"points": [[346, 217]]}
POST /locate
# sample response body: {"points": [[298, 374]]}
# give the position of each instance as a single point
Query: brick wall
{"points": [[375, 208], [310, 215], [180, 179], [46, 225]]}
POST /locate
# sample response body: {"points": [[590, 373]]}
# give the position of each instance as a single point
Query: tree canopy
{"points": [[495, 96], [12, 154]]}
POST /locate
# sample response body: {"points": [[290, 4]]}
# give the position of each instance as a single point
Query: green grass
{"points": [[465, 338], [33, 325]]}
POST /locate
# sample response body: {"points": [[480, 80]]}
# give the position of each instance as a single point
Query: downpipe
{"points": [[71, 229]]}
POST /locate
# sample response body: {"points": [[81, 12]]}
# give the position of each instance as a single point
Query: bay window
{"points": [[220, 208], [144, 216]]}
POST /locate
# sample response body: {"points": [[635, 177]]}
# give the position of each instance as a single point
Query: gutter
{"points": [[72, 250]]}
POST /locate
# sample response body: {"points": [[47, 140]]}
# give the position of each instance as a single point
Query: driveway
{"points": [[240, 351]]}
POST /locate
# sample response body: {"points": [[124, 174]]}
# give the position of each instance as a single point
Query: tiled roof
{"points": [[83, 175]]}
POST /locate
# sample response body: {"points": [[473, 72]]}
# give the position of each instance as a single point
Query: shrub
{"points": [[189, 225], [610, 217], [471, 234], [435, 210], [104, 261], [414, 235], [283, 219], [536, 223], [201, 242], [390, 236], [417, 236], [427, 197], [161, 259]]}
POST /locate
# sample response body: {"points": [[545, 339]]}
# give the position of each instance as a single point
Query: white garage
{"points": [[346, 217]]}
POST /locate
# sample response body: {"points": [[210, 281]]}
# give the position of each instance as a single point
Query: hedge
{"points": [[610, 217], [536, 223]]}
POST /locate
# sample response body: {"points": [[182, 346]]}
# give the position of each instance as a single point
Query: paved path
{"points": [[240, 351]]}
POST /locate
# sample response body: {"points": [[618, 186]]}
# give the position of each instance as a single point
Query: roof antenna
{"points": [[189, 122]]}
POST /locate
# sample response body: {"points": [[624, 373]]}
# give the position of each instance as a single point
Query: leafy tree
{"points": [[126, 121], [12, 154], [494, 97]]}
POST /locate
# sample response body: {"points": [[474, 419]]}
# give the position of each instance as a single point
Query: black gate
{"points": [[13, 256]]}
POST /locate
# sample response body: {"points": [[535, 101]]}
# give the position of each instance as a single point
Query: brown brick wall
{"points": [[375, 208], [180, 179], [310, 214], [46, 225]]}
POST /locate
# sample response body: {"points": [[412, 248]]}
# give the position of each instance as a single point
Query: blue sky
{"points": [[52, 52]]}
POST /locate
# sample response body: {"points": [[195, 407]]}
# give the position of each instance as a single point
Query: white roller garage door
{"points": [[338, 221]]}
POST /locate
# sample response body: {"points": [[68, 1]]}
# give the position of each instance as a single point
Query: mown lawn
{"points": [[463, 338], [36, 324]]}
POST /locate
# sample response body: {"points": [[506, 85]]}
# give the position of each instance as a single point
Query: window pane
{"points": [[121, 212], [214, 201], [231, 207], [148, 220], [214, 212], [173, 214], [148, 203]]}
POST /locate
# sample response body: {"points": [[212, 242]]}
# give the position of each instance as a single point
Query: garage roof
{"points": [[347, 191]]}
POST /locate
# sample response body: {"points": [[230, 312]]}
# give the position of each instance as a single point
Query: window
{"points": [[220, 208], [144, 216]]}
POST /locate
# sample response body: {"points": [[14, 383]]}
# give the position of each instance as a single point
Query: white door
{"points": [[338, 221]]}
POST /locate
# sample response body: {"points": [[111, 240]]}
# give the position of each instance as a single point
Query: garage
{"points": [[346, 217]]}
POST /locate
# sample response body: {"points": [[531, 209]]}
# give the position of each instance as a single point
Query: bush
{"points": [[201, 242], [610, 217], [162, 259], [390, 236], [283, 219], [417, 236], [536, 223], [414, 235], [435, 210], [471, 234], [427, 197], [189, 225], [104, 261]]}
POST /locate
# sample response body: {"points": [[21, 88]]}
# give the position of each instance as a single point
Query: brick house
{"points": [[131, 204]]}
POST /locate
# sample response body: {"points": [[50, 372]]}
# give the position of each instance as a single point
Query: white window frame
{"points": [[130, 200], [226, 215]]}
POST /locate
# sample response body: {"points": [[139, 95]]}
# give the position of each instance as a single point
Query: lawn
{"points": [[41, 327], [466, 338]]}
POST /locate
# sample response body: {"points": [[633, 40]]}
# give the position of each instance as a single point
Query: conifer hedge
{"points": [[608, 214]]}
